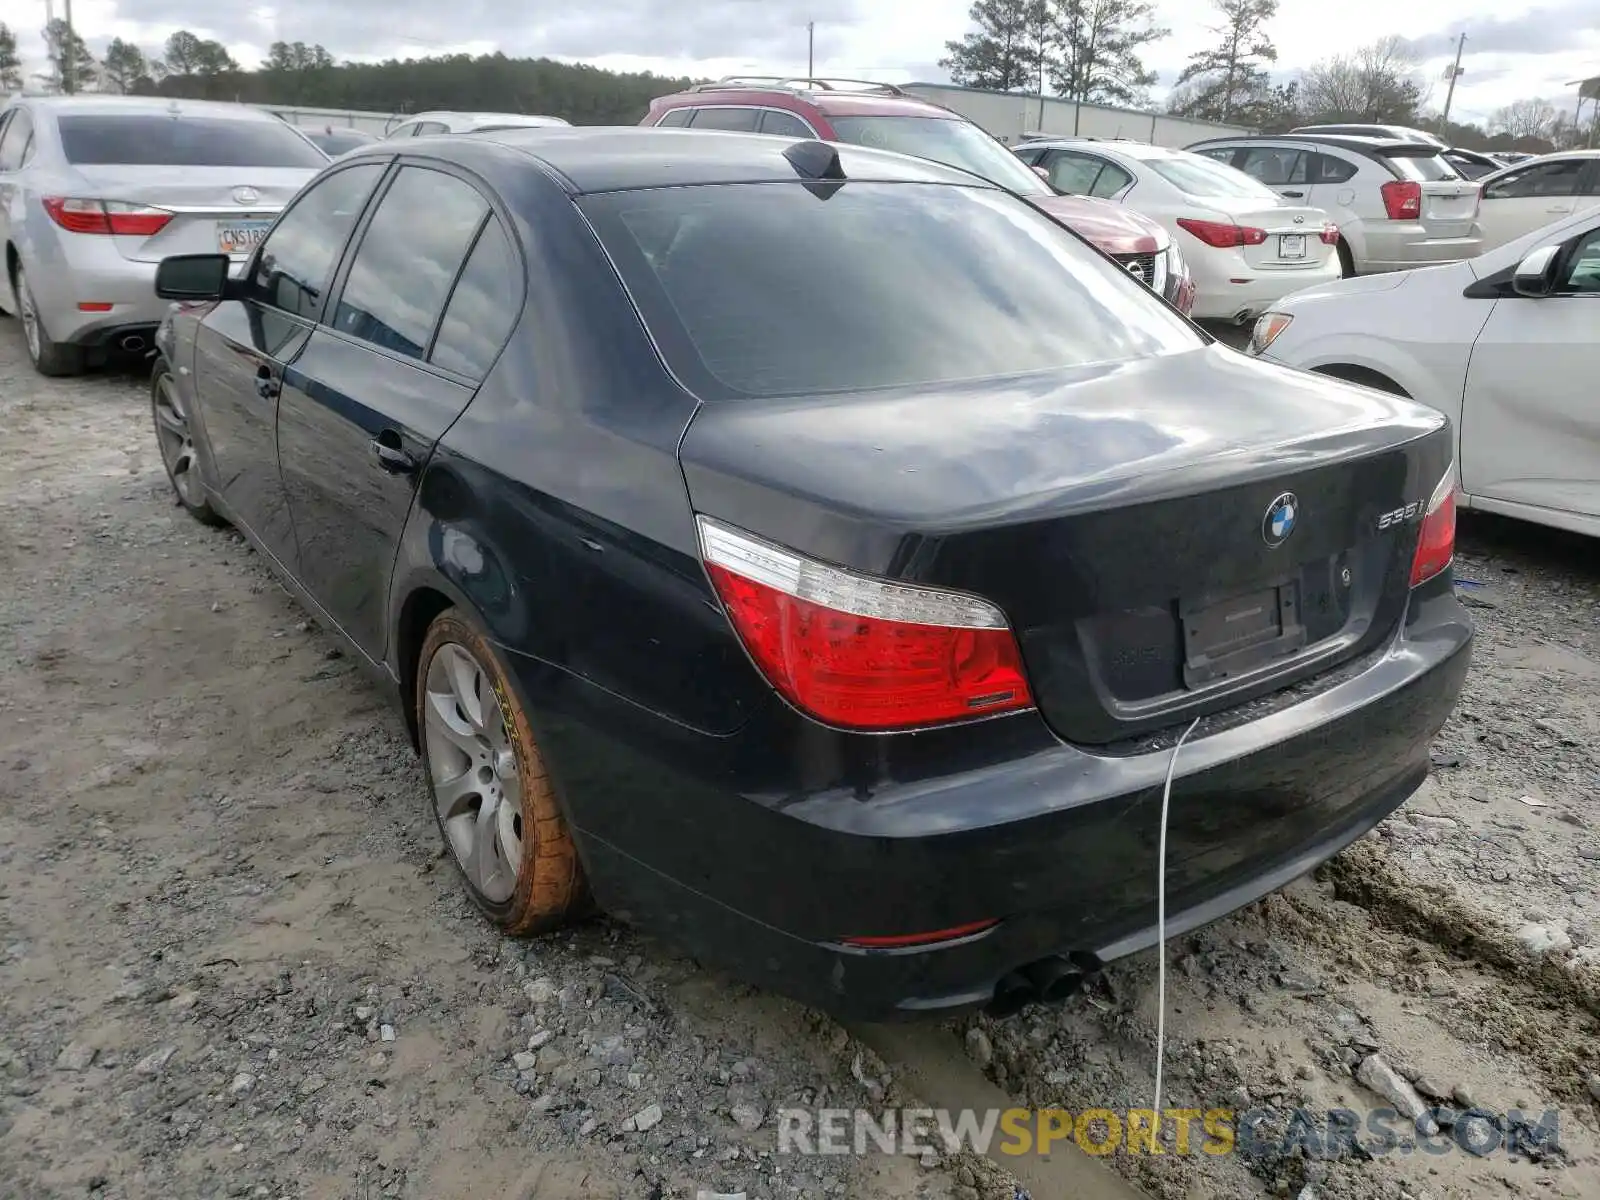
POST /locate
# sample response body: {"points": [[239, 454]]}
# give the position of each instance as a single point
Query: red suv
{"points": [[882, 116]]}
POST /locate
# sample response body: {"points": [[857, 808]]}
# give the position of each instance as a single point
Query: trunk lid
{"points": [[214, 209], [1294, 231], [1449, 207], [1121, 514]]}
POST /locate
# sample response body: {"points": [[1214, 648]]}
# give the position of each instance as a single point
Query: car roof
{"points": [[608, 159], [1129, 146], [152, 106], [884, 100], [508, 117], [1347, 141]]}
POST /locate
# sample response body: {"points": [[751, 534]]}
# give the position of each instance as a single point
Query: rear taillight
{"points": [[859, 652], [1436, 543], [105, 216], [1224, 235], [1330, 235], [1402, 199]]}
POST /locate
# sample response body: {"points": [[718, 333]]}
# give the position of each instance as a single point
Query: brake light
{"points": [[1330, 234], [1436, 542], [1224, 235], [1402, 199], [906, 940], [859, 652], [105, 216]]}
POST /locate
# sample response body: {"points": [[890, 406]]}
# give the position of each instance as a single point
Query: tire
{"points": [[1347, 262], [49, 357], [180, 453], [520, 864]]}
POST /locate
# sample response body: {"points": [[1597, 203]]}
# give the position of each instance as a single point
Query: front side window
{"points": [[297, 259], [1559, 178], [149, 140], [787, 289], [408, 259], [1583, 270]]}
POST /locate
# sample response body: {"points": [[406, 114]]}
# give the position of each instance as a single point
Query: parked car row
{"points": [[817, 555]]}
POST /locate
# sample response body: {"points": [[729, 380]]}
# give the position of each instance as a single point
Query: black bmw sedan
{"points": [[816, 555]]}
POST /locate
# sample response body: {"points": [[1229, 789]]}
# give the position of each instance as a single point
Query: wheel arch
{"points": [[422, 601], [1366, 376]]}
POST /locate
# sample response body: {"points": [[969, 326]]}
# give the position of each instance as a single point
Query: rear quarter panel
{"points": [[555, 506]]}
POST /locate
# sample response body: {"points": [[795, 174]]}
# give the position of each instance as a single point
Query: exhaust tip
{"points": [[132, 343], [1011, 995]]}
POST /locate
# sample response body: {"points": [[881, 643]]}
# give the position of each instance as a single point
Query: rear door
{"points": [[1531, 197], [244, 346], [1283, 168], [210, 184], [427, 297], [1530, 430]]}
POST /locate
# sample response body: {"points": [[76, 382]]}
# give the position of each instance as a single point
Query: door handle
{"points": [[1293, 195], [392, 458], [266, 385]]}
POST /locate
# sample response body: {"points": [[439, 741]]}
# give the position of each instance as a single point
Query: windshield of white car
{"points": [[951, 141], [129, 140], [1197, 176]]}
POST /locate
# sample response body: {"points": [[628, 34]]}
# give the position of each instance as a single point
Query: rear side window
{"points": [[676, 116], [127, 139], [429, 128], [1559, 178], [408, 260], [784, 124], [483, 306], [738, 120], [1274, 166], [795, 289], [297, 259], [1223, 154]]}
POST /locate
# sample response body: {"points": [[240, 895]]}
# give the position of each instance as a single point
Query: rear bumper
{"points": [[1218, 299], [1405, 246], [1056, 844], [95, 274]]}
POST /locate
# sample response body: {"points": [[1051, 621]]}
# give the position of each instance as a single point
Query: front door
{"points": [[399, 353], [244, 347], [1530, 427], [1532, 197]]}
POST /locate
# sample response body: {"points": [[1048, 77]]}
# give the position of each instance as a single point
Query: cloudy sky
{"points": [[1514, 49]]}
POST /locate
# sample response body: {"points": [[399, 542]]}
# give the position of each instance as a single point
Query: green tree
{"points": [[72, 66], [1374, 85], [124, 66], [10, 63], [1009, 50], [183, 51], [1099, 44], [1228, 81], [294, 64]]}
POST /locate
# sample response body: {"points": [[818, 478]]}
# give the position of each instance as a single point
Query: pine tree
{"points": [[1229, 80], [71, 64], [10, 63], [1099, 42], [124, 66], [1007, 52]]}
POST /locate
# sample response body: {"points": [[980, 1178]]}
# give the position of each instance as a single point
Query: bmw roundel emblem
{"points": [[1278, 523]]}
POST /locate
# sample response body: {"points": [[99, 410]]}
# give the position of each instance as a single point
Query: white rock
{"points": [[1539, 939], [154, 1062], [76, 1056], [386, 1032], [539, 991], [1378, 1075], [243, 1083], [523, 1060], [748, 1116], [979, 1048], [539, 1039], [365, 1012], [647, 1118]]}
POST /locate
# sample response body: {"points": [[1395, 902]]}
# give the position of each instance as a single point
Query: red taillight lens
{"points": [[858, 652], [1402, 199], [1224, 235], [1436, 543], [906, 940], [105, 216], [1330, 235]]}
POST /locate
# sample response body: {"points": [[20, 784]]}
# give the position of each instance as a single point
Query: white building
{"points": [[1010, 116]]}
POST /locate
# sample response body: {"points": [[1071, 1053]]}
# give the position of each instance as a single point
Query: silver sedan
{"points": [[96, 190]]}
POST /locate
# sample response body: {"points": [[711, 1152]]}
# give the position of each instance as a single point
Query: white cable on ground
{"points": [[1161, 922]]}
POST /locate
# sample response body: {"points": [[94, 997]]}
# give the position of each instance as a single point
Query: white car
{"points": [[1528, 196], [1506, 345], [433, 123], [1246, 246]]}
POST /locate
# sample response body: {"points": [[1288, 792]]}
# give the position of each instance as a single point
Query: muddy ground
{"points": [[234, 963]]}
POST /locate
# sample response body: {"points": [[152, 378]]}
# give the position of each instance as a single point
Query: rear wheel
{"points": [[48, 356], [1347, 262], [492, 797], [179, 452]]}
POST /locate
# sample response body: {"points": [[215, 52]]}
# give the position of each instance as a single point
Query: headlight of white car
{"points": [[1267, 328]]}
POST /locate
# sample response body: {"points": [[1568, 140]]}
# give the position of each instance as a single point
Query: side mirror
{"points": [[1535, 275], [193, 277], [1041, 173]]}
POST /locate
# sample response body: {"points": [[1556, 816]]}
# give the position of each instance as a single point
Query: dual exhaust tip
{"points": [[1048, 981]]}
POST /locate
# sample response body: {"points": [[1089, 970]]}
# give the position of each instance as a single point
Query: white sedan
{"points": [[1246, 246], [1506, 344]]}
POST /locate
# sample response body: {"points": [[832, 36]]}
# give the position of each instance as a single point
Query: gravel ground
{"points": [[274, 987]]}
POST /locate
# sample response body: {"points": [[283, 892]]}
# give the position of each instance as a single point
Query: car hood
{"points": [[1357, 285], [1111, 227]]}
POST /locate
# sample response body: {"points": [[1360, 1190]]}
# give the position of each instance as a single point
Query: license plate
{"points": [[240, 237], [1291, 245], [1235, 635]]}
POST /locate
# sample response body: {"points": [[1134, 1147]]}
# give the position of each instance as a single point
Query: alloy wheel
{"points": [[473, 766], [29, 314], [176, 439]]}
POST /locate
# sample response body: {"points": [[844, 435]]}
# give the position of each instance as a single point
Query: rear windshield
{"points": [[1196, 176], [162, 141], [951, 141], [787, 288], [1423, 166], [338, 143]]}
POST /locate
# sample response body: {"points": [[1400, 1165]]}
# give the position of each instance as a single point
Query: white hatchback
{"points": [[1245, 245], [1505, 345], [1530, 195]]}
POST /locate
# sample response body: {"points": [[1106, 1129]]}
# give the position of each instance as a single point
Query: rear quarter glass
{"points": [[754, 290]]}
